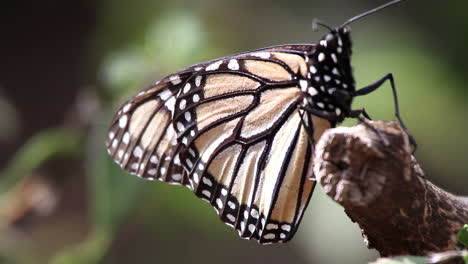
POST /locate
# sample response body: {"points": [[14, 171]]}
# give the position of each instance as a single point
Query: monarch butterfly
{"points": [[239, 131]]}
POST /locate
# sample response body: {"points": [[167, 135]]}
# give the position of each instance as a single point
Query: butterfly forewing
{"points": [[244, 145], [230, 130], [142, 139]]}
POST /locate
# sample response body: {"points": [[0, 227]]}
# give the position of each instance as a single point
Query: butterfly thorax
{"points": [[330, 79]]}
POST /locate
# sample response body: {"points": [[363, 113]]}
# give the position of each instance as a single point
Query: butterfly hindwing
{"points": [[142, 139]]}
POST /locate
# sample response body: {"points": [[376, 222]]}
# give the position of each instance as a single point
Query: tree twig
{"points": [[385, 191]]}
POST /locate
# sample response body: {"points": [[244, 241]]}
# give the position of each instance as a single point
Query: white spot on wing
{"points": [[233, 65], [198, 80], [230, 217], [246, 214], [271, 226], [188, 117], [187, 87], [219, 203], [126, 138], [223, 192], [182, 104], [207, 181], [170, 103], [303, 84], [164, 95], [214, 66], [180, 126], [189, 163], [138, 152], [254, 213], [177, 177], [126, 107], [263, 55], [175, 79], [206, 193], [177, 160], [242, 225], [123, 121], [192, 152]]}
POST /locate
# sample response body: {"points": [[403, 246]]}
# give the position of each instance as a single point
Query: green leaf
{"points": [[464, 255], [88, 252], [39, 149], [111, 198], [113, 190], [462, 236], [401, 260]]}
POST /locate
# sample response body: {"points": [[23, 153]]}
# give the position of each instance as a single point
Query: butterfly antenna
{"points": [[316, 23], [371, 12]]}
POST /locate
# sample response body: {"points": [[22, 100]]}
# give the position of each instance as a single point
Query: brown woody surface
{"points": [[384, 190]]}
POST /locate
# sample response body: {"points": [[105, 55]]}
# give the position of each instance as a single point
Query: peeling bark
{"points": [[384, 190]]}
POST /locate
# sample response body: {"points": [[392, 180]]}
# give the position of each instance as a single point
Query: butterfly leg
{"points": [[329, 116], [363, 112], [357, 114], [372, 87]]}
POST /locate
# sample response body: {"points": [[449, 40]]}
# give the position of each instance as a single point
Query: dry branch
{"points": [[384, 190]]}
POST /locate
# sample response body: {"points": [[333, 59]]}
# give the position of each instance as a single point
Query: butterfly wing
{"points": [[244, 146], [142, 139], [230, 130]]}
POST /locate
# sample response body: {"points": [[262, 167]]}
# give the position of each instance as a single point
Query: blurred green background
{"points": [[67, 66]]}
